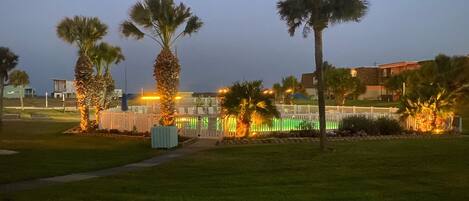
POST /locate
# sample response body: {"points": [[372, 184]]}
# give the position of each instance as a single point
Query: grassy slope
{"points": [[424, 170], [57, 115], [45, 151], [39, 102]]}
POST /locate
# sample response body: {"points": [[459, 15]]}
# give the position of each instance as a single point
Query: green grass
{"points": [[427, 170], [57, 115], [39, 102], [45, 151]]}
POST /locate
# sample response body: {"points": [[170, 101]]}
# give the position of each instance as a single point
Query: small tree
{"points": [[435, 91], [289, 86], [248, 104], [19, 78], [342, 84], [8, 61]]}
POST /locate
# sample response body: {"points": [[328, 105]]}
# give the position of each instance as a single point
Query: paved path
{"points": [[200, 145]]}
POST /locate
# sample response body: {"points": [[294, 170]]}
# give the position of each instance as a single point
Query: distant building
{"points": [[309, 83], [392, 69], [373, 77], [369, 76], [11, 91], [118, 93], [63, 88]]}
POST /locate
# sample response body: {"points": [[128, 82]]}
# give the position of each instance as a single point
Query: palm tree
{"points": [[103, 57], [317, 15], [436, 90], [247, 102], [83, 32], [8, 61], [162, 21], [19, 78]]}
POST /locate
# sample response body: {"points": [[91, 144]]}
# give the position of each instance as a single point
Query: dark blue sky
{"points": [[241, 39]]}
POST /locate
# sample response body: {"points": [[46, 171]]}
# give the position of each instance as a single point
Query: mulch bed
{"points": [[311, 139], [183, 141]]}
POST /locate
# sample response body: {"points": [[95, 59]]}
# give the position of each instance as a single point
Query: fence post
{"points": [[460, 125]]}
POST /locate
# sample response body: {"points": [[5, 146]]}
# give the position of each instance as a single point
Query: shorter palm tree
{"points": [[248, 104], [8, 61], [435, 91], [19, 78], [103, 57]]}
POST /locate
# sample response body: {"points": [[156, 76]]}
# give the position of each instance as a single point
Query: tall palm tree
{"points": [[83, 32], [103, 57], [8, 61], [19, 78], [248, 104], [162, 21], [316, 16]]}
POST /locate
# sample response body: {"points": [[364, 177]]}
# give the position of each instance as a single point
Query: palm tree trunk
{"points": [[242, 128], [83, 80], [21, 97], [2, 87], [167, 82], [320, 76]]}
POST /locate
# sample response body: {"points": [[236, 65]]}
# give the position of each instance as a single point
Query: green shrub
{"points": [[356, 124], [306, 126], [388, 126]]}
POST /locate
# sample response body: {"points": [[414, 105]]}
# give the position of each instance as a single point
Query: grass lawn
{"points": [[45, 151], [427, 170], [57, 115], [39, 102]]}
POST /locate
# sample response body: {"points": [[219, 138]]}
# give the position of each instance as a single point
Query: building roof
{"points": [[399, 64]]}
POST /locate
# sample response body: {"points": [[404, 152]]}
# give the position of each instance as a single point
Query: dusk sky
{"points": [[240, 40]]}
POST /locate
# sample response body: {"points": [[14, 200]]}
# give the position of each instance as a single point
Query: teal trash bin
{"points": [[164, 137]]}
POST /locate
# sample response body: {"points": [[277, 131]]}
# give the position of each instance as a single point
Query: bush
{"points": [[387, 126], [382, 126], [356, 124]]}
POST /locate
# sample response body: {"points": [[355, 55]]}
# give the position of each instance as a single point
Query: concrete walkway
{"points": [[200, 145]]}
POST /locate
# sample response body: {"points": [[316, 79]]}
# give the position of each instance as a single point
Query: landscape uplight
{"points": [[223, 91], [289, 91], [151, 98]]}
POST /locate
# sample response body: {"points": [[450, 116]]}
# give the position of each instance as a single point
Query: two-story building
{"points": [[63, 88], [373, 77]]}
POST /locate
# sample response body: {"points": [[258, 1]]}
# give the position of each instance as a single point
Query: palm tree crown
{"points": [[8, 61], [82, 31], [104, 55], [318, 14], [19, 78], [247, 102], [160, 20]]}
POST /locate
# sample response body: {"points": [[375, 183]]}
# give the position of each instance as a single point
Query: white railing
{"points": [[283, 109], [209, 125]]}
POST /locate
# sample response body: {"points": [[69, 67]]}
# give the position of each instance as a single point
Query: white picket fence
{"points": [[206, 125]]}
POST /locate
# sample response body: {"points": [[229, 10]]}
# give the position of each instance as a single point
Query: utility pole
{"points": [[47, 103]]}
